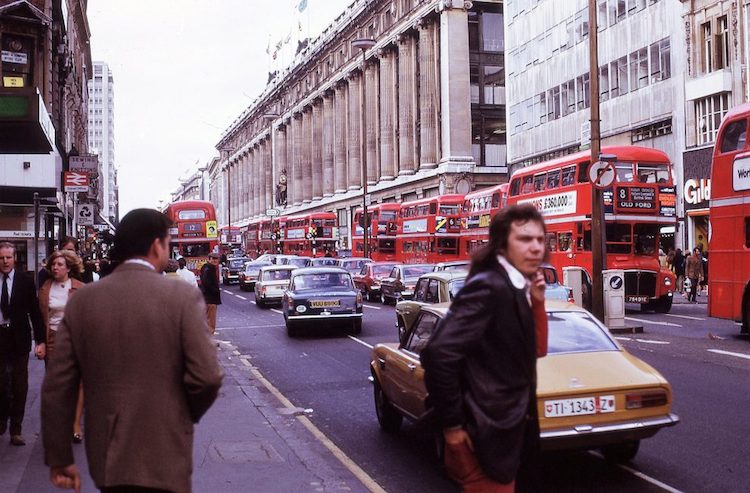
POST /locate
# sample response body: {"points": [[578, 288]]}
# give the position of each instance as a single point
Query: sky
{"points": [[183, 71]]}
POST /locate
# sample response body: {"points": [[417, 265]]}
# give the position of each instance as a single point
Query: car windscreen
{"points": [[455, 286], [298, 262], [236, 264], [574, 332], [381, 270], [277, 275], [314, 282], [253, 268], [417, 270]]}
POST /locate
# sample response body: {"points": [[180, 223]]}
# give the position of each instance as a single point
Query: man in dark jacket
{"points": [[480, 365], [210, 288]]}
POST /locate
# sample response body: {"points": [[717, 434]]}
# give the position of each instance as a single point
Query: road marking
{"points": [[254, 303], [729, 353], [248, 327], [373, 307], [240, 297], [653, 322], [684, 316], [277, 311], [647, 341], [227, 291], [640, 475], [360, 341]]}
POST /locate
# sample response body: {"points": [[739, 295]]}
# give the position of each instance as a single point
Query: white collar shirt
{"points": [[518, 280], [140, 261]]}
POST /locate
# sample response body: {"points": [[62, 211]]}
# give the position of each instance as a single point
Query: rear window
{"points": [[277, 275], [734, 136], [455, 286], [381, 270], [417, 271], [308, 282], [576, 332], [236, 264]]}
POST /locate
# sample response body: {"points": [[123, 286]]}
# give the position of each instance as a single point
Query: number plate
{"points": [[324, 303], [637, 299], [582, 405]]}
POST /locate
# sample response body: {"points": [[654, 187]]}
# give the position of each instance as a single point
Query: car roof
{"points": [[258, 262], [320, 270], [440, 309], [446, 275], [454, 262], [354, 259], [279, 267]]}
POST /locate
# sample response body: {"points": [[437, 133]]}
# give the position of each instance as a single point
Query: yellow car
{"points": [[591, 392]]}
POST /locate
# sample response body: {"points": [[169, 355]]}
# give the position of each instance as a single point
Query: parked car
{"points": [[273, 280], [283, 259], [555, 290], [250, 274], [401, 281], [298, 261], [353, 264], [230, 273], [368, 279], [452, 265], [431, 288], [267, 257], [322, 262], [321, 297], [591, 393]]}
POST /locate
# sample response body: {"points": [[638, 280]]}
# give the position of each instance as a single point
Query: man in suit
{"points": [[139, 343], [480, 365], [18, 307], [210, 288]]}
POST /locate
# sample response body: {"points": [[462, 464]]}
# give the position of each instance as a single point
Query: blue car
{"points": [[321, 297], [555, 290]]}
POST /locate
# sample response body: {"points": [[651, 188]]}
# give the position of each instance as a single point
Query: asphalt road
{"points": [[704, 359]]}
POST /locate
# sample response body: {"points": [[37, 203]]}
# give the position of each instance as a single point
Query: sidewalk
{"points": [[248, 441]]}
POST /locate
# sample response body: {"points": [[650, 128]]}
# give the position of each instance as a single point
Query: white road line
{"points": [[254, 303], [227, 291], [623, 338], [729, 353], [640, 475], [684, 316], [652, 322], [647, 341], [360, 341], [277, 311], [241, 297], [373, 307]]}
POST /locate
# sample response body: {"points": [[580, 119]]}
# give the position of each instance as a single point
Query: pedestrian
{"points": [[185, 273], [19, 314], [210, 288], [170, 270], [139, 343], [63, 266], [66, 243], [480, 365], [694, 272], [678, 266]]}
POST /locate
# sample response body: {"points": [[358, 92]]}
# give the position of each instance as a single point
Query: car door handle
{"points": [[381, 362], [411, 366]]}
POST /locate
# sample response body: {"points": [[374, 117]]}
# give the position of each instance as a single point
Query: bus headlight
{"points": [[667, 281]]}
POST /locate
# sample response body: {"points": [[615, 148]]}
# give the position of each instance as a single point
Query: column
{"points": [[428, 95], [297, 159], [373, 123], [307, 176], [355, 140], [388, 114], [235, 195], [245, 170], [316, 147], [281, 156], [328, 128], [225, 194], [455, 96], [255, 173], [407, 105], [339, 140], [268, 173]]}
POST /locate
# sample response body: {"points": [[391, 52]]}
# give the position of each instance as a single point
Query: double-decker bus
{"points": [[231, 239], [310, 235], [639, 203], [195, 232], [429, 230], [480, 206], [251, 238], [381, 234], [265, 235], [729, 243]]}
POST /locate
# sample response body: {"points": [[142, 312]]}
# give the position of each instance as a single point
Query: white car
{"points": [[273, 280]]}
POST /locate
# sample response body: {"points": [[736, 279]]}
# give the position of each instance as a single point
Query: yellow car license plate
{"points": [[324, 303], [579, 406]]}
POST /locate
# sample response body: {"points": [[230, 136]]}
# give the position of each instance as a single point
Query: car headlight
{"points": [[301, 308], [359, 299]]}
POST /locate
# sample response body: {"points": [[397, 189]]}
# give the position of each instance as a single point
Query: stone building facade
{"points": [[422, 113]]}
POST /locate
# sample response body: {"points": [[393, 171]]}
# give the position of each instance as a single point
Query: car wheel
{"points": [[372, 296], [356, 326], [291, 329], [388, 418], [664, 304], [621, 453], [260, 303]]}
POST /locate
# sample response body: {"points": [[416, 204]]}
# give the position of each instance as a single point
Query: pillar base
{"points": [[457, 160], [326, 195], [306, 201], [406, 172], [354, 187], [317, 198], [340, 190], [372, 183], [295, 204], [387, 178], [428, 165]]}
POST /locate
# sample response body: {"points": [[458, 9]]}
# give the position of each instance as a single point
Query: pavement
{"points": [[252, 439]]}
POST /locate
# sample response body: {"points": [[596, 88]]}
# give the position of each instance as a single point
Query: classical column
{"points": [[268, 174], [307, 176], [428, 95], [355, 140], [235, 175], [339, 140], [407, 105], [373, 123], [328, 128], [388, 114], [297, 159], [246, 166], [281, 156], [455, 95], [256, 190], [316, 147]]}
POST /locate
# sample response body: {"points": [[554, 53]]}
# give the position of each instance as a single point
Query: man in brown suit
{"points": [[140, 344]]}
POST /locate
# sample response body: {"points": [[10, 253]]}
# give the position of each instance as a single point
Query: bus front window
{"points": [[646, 239], [653, 173], [195, 249], [618, 238], [624, 172]]}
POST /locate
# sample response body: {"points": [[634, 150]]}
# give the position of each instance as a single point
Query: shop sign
{"points": [[19, 234], [697, 191], [14, 57]]}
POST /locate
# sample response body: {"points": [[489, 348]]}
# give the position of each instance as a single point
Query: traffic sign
{"points": [[86, 214], [272, 212], [75, 181], [602, 174]]}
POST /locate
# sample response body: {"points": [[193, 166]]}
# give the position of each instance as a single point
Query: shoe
{"points": [[77, 438], [17, 440]]}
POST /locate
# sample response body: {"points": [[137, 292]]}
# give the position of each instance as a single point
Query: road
{"points": [[704, 359]]}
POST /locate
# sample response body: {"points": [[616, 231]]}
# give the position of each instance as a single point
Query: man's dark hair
{"points": [[500, 227], [68, 239], [182, 262], [137, 231]]}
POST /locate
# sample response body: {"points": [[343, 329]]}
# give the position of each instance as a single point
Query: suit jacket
{"points": [[480, 371], [24, 314], [210, 284], [140, 344]]}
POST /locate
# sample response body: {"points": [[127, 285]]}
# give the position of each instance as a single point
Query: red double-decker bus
{"points": [[230, 239], [429, 230], [251, 238], [640, 202], [310, 235], [480, 206], [381, 234], [265, 236], [729, 243], [195, 233]]}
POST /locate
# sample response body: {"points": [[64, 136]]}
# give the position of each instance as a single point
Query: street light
{"points": [[364, 44]]}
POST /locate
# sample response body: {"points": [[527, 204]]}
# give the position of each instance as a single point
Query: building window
{"points": [[707, 55], [493, 83], [639, 69], [474, 83], [651, 131], [660, 61], [473, 31], [722, 43], [604, 83], [582, 91], [708, 114], [493, 32]]}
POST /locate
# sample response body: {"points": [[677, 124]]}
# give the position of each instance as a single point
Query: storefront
{"points": [[697, 193]]}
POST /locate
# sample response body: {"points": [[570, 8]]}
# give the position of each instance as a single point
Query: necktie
{"points": [[5, 299]]}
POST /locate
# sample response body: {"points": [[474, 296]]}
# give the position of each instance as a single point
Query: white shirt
{"points": [[11, 276], [188, 276], [139, 261], [516, 278], [58, 298]]}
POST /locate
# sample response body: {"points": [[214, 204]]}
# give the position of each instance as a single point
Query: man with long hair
{"points": [[480, 365]]}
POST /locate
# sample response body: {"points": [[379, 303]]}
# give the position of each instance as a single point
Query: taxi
{"points": [[591, 393], [271, 284]]}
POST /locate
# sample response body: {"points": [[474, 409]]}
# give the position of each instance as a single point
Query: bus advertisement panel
{"points": [[381, 234], [429, 230], [195, 233]]}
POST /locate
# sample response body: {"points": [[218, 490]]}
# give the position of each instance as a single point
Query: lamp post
{"points": [[364, 44]]}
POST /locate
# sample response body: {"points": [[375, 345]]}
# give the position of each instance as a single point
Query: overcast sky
{"points": [[183, 71]]}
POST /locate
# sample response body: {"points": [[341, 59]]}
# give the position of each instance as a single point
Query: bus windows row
{"points": [[548, 180], [642, 173], [442, 246], [479, 204]]}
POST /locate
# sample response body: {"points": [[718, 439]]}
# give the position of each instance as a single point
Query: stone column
{"points": [[372, 119], [246, 167], [235, 176], [281, 157], [327, 141], [455, 95], [307, 176], [256, 190], [225, 189], [407, 105], [297, 159], [316, 147], [428, 95], [268, 174], [355, 139], [388, 114], [339, 142]]}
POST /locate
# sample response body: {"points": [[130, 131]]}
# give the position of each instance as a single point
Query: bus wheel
{"points": [[664, 304]]}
